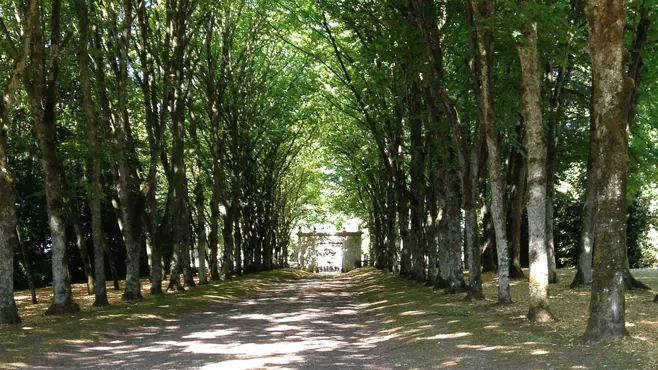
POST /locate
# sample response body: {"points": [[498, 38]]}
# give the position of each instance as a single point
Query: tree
{"points": [[42, 92], [8, 218], [93, 138], [535, 145], [611, 87], [485, 52]]}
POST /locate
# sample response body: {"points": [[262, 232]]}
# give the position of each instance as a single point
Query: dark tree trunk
{"points": [[586, 241], [485, 51], [417, 185], [43, 100], [450, 276], [612, 89], [8, 216], [94, 160], [488, 241], [515, 204], [228, 265], [29, 271], [237, 237]]}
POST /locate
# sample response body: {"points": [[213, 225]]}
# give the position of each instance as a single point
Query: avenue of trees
{"points": [[191, 136]]}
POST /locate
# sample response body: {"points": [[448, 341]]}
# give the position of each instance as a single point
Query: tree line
{"points": [[464, 107], [187, 136], [160, 127]]}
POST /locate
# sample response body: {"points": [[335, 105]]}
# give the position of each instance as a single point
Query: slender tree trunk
{"points": [[8, 219], [635, 73], [228, 266], [485, 48], [201, 233], [128, 178], [237, 239], [43, 100], [488, 241], [417, 184], [29, 271], [606, 21], [95, 157], [213, 238], [8, 223], [80, 242], [586, 240], [515, 205], [535, 145], [8, 215]]}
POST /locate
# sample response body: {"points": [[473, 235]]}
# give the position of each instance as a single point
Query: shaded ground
{"points": [[316, 323], [362, 320]]}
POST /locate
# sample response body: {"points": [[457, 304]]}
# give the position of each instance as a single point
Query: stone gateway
{"points": [[329, 251]]}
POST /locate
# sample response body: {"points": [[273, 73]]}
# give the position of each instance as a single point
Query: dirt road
{"points": [[315, 323]]}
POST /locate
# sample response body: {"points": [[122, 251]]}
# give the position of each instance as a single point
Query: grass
{"points": [[433, 322], [91, 324]]}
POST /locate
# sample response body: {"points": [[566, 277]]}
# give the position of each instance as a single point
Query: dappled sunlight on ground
{"points": [[471, 334], [364, 319], [315, 322]]}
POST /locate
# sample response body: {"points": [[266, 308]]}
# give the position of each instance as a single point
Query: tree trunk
{"points": [[635, 72], [586, 241], [450, 276], [515, 204], [485, 48], [8, 221], [8, 216], [80, 242], [43, 100], [29, 271], [488, 241], [201, 232], [228, 266], [94, 161], [606, 21], [535, 145], [128, 175], [237, 238], [417, 184]]}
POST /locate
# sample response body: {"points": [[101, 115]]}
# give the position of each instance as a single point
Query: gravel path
{"points": [[315, 323]]}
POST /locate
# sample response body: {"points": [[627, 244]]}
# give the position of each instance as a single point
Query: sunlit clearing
{"points": [[538, 352]]}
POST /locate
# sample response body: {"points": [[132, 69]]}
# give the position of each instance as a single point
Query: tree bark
{"points": [[517, 175], [29, 271], [43, 100], [8, 216], [586, 241], [606, 20], [94, 160], [199, 205], [417, 184], [74, 221], [535, 145], [485, 48], [228, 265], [130, 198], [450, 276]]}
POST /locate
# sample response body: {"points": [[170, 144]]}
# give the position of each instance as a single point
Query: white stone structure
{"points": [[329, 251]]}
